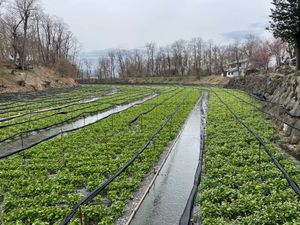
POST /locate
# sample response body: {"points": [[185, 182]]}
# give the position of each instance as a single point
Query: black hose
{"points": [[267, 113], [94, 193], [42, 111], [70, 111], [292, 183], [13, 152], [151, 109]]}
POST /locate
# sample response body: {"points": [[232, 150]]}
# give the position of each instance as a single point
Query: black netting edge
{"points": [[63, 122], [52, 136], [269, 114], [186, 216], [94, 193], [290, 181], [150, 110]]}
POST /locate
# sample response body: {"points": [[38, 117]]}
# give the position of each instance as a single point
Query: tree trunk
{"points": [[23, 54]]}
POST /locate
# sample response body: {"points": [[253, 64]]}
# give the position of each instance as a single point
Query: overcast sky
{"points": [[102, 24]]}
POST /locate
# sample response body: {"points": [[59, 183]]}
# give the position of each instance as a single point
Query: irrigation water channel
{"points": [[167, 198], [113, 91], [11, 147]]}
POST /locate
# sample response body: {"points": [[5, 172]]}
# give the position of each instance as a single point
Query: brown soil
{"points": [[38, 79]]}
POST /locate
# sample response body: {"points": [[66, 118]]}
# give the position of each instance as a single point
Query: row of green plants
{"points": [[36, 121], [9, 108], [62, 97], [66, 98], [40, 186], [240, 183]]}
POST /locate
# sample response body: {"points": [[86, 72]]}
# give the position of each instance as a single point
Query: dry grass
{"points": [[215, 80], [37, 79]]}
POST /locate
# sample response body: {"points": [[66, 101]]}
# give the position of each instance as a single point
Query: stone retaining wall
{"points": [[284, 93]]}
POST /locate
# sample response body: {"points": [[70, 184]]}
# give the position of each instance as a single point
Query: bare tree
{"points": [[121, 58], [138, 66], [236, 53], [277, 48], [112, 63], [178, 51], [11, 26], [87, 68], [249, 47], [196, 48], [104, 68], [25, 10], [219, 59], [261, 57], [150, 49], [29, 35], [195, 57]]}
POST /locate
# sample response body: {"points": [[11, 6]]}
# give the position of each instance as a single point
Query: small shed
{"points": [[237, 68]]}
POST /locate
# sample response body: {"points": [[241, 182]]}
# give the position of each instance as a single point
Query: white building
{"points": [[237, 68]]}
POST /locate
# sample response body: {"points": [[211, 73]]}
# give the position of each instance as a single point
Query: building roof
{"points": [[233, 70], [240, 61]]}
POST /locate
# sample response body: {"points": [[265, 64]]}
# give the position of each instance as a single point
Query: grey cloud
{"points": [[102, 24], [257, 25], [238, 35]]}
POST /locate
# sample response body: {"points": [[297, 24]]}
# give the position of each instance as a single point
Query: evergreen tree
{"points": [[285, 23]]}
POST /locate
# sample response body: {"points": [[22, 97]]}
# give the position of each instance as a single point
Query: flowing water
{"points": [[114, 91], [168, 196], [12, 147]]}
